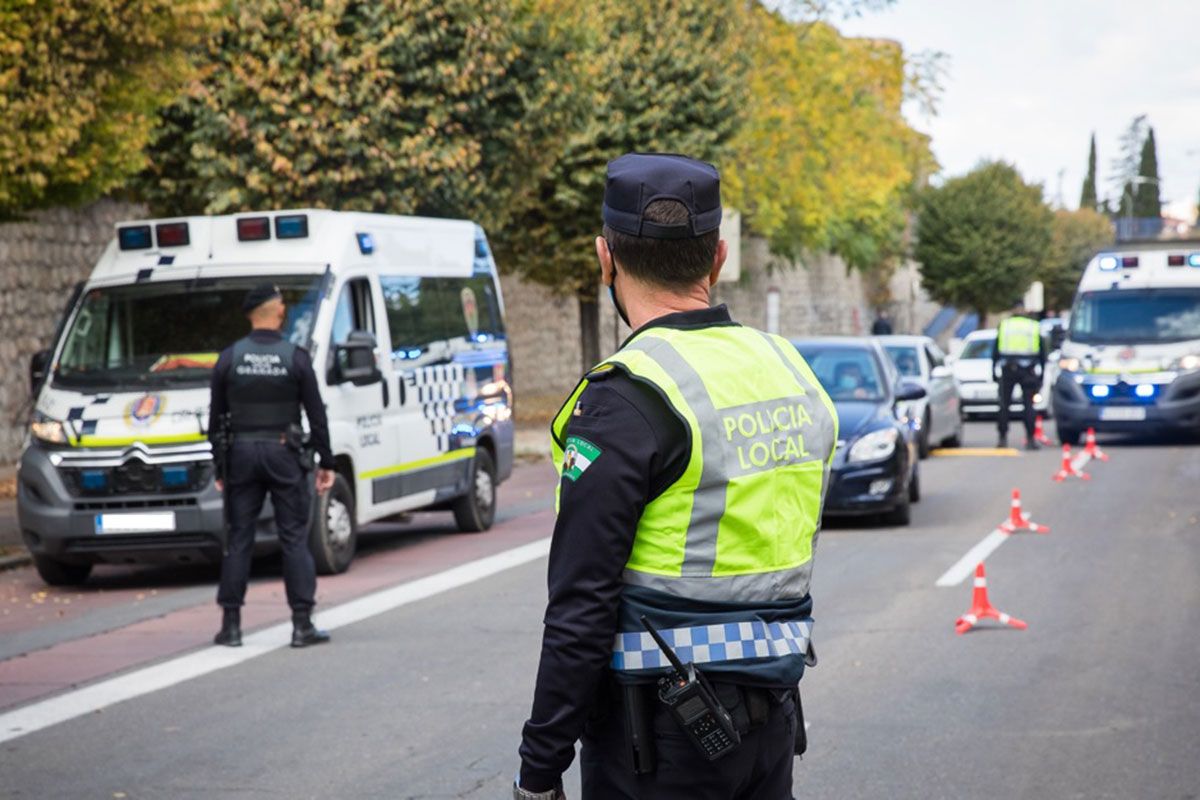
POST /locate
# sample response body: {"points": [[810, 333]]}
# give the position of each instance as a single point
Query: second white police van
{"points": [[1131, 359], [403, 317]]}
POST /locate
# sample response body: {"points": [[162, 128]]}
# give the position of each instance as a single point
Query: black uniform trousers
{"points": [[1013, 374], [256, 468], [760, 768]]}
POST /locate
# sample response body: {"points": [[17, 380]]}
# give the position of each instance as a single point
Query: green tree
{"points": [[437, 107], [1147, 201], [1087, 197], [1075, 238], [80, 83], [667, 81], [982, 237]]}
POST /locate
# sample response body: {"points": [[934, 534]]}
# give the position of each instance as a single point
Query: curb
{"points": [[15, 561]]}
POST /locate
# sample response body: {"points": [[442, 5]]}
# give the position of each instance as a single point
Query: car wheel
{"points": [[1068, 435], [914, 486], [923, 440], [901, 515], [333, 538], [60, 573], [955, 439], [476, 510]]}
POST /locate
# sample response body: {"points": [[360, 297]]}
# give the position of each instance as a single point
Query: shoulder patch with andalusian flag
{"points": [[578, 455]]}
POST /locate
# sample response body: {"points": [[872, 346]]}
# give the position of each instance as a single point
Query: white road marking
{"points": [[89, 699], [966, 565]]}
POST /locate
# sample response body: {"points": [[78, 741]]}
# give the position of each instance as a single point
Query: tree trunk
{"points": [[589, 331]]}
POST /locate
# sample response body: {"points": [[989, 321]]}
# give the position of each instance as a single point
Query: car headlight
{"points": [[874, 446], [48, 430], [1068, 364], [1187, 363]]}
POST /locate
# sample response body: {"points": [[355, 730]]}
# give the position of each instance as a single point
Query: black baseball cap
{"points": [[259, 295], [636, 180]]}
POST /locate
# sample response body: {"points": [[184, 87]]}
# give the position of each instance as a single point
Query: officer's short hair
{"points": [[669, 263]]}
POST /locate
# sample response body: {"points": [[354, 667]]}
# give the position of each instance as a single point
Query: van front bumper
{"points": [[60, 524], [1174, 407]]}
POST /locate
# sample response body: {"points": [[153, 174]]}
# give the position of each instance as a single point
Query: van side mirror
{"points": [[940, 371], [908, 390], [354, 360], [39, 366]]}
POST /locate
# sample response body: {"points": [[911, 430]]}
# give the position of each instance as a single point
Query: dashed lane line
{"points": [[88, 699]]}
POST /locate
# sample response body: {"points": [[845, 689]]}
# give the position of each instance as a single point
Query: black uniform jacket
{"points": [[643, 450], [310, 393]]}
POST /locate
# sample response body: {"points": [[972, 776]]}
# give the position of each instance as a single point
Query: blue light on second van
{"points": [[1100, 390], [366, 244], [1194, 260], [1108, 262], [1144, 390]]}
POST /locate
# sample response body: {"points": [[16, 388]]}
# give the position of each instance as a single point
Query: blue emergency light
{"points": [[366, 243], [1144, 390], [135, 237], [1108, 263], [1194, 260], [291, 226], [1100, 390], [174, 477], [93, 480]]}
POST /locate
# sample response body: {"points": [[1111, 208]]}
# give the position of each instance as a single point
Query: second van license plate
{"points": [[1123, 414]]}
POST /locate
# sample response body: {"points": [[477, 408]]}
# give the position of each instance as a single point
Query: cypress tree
{"points": [[1147, 202], [1087, 198]]}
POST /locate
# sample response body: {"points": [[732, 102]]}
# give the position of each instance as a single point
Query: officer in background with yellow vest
{"points": [[693, 469], [1018, 359]]}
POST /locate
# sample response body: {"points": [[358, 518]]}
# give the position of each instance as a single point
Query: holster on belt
{"points": [[640, 701]]}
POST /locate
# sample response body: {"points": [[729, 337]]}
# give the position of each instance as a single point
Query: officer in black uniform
{"points": [[261, 382], [646, 449]]}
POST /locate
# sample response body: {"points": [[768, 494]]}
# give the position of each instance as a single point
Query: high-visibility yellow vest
{"points": [[739, 525], [1018, 336]]}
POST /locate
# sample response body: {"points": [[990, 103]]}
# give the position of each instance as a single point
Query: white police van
{"points": [[1131, 359], [405, 322]]}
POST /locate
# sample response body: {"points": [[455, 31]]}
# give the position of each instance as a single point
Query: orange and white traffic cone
{"points": [[982, 608], [1092, 449], [1068, 468], [1039, 432], [1017, 521]]}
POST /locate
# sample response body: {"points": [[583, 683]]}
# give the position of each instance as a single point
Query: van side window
{"points": [[354, 311], [440, 314]]}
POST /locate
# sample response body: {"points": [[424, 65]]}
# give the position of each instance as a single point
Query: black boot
{"points": [[230, 634], [305, 633], [1032, 444], [1002, 440]]}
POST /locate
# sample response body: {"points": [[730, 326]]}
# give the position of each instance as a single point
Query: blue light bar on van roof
{"points": [[1108, 263], [135, 237], [1194, 260], [366, 243], [291, 226]]}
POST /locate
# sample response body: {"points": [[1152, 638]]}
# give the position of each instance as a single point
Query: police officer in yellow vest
{"points": [[1018, 359], [693, 468]]}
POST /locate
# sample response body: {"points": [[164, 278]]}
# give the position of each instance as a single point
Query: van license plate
{"points": [[1123, 414], [156, 522]]}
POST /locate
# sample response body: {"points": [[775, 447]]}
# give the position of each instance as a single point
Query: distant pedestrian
{"points": [[882, 325], [1018, 359], [261, 382]]}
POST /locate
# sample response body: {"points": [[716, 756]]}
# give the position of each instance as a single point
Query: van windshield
{"points": [[1136, 316], [169, 333]]}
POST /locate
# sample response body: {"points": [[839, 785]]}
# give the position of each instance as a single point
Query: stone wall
{"points": [[41, 259]]}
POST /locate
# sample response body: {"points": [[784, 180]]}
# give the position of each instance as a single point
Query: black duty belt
{"points": [[276, 437]]}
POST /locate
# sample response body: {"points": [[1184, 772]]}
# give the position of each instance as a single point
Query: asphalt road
{"points": [[1100, 697]]}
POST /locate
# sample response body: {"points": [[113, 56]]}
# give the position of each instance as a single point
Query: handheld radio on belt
{"points": [[691, 701]]}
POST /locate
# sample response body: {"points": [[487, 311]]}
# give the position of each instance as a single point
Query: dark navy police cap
{"points": [[259, 295], [635, 180]]}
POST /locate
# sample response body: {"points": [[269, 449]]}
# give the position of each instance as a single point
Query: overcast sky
{"points": [[1029, 80]]}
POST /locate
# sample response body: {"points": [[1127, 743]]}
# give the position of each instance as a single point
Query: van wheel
{"points": [[61, 573], [476, 510], [334, 535]]}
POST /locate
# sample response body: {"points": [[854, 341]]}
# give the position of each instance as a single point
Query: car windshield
{"points": [[978, 348], [906, 360], [158, 334], [1136, 316], [846, 372]]}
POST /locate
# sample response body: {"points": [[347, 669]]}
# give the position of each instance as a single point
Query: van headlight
{"points": [[1068, 364], [48, 430], [874, 446], [1187, 363]]}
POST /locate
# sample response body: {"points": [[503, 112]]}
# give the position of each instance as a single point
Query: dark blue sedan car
{"points": [[875, 469]]}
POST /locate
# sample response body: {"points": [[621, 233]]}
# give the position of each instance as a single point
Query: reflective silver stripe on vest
{"points": [[708, 502], [708, 644]]}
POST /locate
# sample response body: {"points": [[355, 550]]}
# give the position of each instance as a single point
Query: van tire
{"points": [[333, 537], [476, 510], [60, 573]]}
